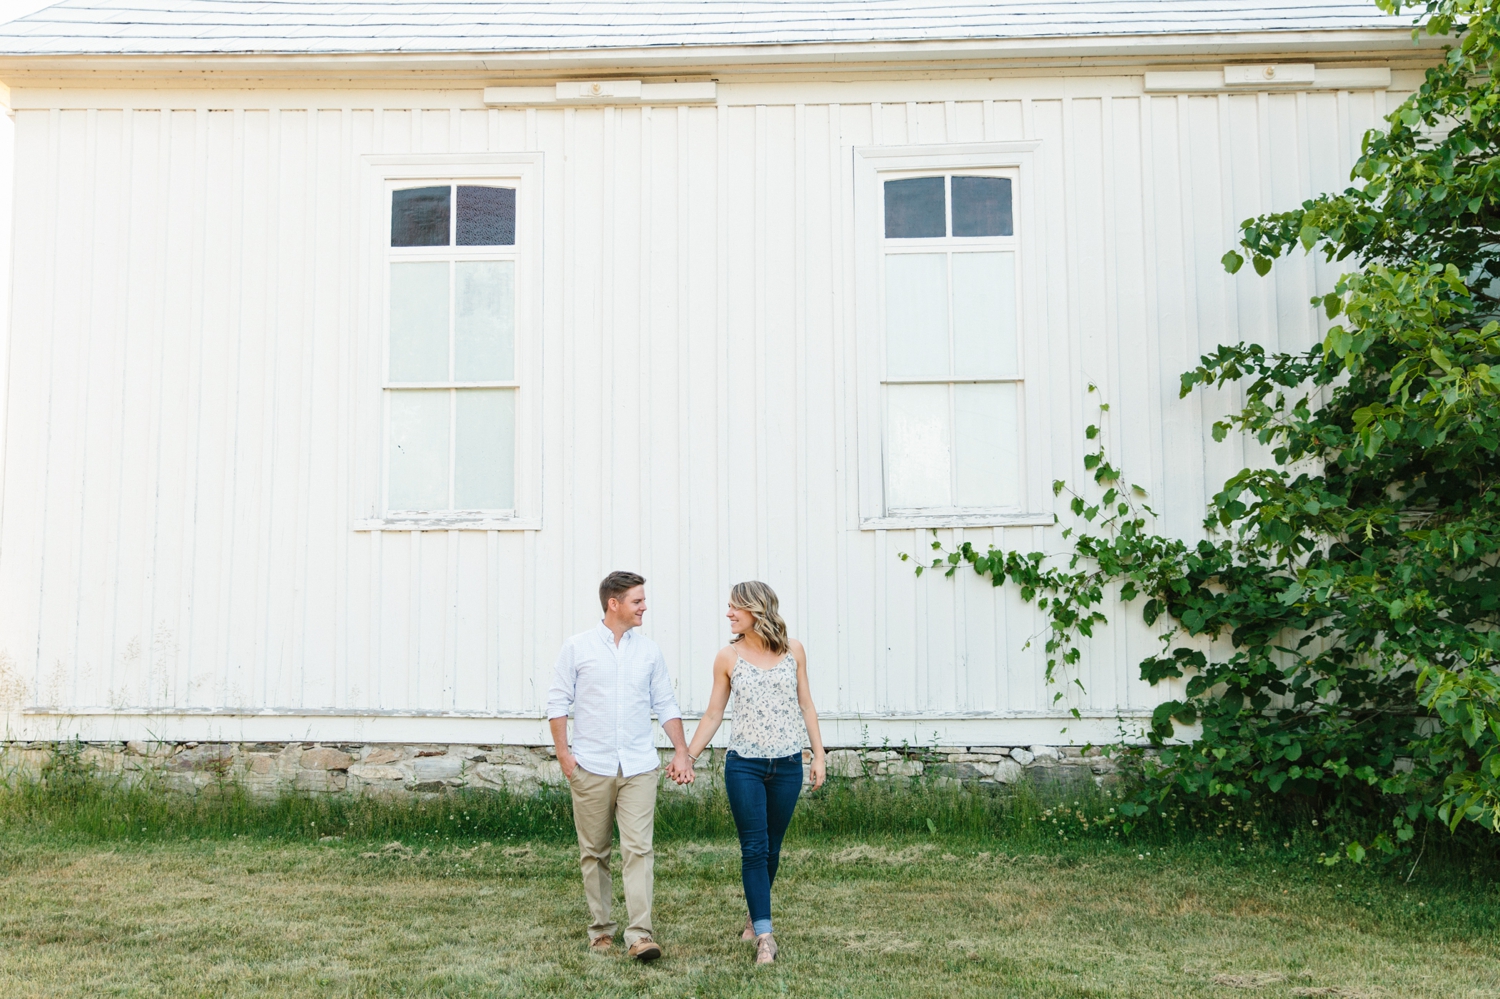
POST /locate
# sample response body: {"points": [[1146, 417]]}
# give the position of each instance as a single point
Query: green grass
{"points": [[112, 891], [85, 804], [890, 917]]}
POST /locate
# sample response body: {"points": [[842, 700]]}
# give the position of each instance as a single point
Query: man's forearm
{"points": [[559, 735], [673, 728]]}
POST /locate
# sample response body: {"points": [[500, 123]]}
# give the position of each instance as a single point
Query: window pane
{"points": [[917, 463], [914, 208], [419, 217], [987, 445], [419, 322], [484, 450], [984, 315], [484, 321], [981, 206], [916, 315], [486, 216], [418, 463]]}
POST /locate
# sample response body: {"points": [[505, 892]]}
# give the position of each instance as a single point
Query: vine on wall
{"points": [[1354, 583]]}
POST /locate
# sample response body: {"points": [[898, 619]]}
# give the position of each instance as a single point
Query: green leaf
{"points": [[1232, 262], [1262, 265]]}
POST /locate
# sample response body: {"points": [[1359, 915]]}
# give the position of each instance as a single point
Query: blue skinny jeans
{"points": [[762, 794]]}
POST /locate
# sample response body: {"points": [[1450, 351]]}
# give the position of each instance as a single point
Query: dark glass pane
{"points": [[981, 206], [419, 217], [914, 208], [486, 216]]}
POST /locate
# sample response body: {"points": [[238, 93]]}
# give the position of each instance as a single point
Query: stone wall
{"points": [[271, 768]]}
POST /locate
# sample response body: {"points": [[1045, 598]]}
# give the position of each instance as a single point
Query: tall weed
{"points": [[71, 800]]}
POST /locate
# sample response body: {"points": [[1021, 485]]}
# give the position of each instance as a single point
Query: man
{"points": [[612, 678]]}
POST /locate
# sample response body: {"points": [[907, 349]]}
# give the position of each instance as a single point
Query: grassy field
{"points": [[883, 916]]}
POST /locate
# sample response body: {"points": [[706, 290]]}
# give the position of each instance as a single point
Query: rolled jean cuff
{"points": [[761, 926]]}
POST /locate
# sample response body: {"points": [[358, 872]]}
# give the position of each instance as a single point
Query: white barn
{"points": [[349, 344]]}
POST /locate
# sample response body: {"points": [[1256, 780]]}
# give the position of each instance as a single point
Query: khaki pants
{"points": [[598, 804]]}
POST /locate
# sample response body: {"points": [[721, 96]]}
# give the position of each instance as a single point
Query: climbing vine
{"points": [[1336, 629]]}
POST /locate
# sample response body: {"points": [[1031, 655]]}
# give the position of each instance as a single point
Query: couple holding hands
{"points": [[611, 679]]}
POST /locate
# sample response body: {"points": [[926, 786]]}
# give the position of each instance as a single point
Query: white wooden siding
{"points": [[191, 381]]}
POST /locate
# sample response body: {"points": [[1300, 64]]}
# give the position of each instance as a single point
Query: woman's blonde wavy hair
{"points": [[760, 600]]}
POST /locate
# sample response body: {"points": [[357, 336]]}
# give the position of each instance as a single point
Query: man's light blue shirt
{"points": [[611, 693]]}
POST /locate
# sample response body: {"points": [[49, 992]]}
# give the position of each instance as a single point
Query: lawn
{"points": [[887, 917]]}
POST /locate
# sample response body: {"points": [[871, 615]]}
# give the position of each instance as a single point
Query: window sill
{"points": [[461, 523], [907, 522]]}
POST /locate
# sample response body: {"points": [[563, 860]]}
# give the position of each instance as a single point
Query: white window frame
{"points": [[873, 165], [523, 171]]}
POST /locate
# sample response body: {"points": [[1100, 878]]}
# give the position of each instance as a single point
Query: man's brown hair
{"points": [[616, 584]]}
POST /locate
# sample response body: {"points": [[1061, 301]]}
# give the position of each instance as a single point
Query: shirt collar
{"points": [[609, 636]]}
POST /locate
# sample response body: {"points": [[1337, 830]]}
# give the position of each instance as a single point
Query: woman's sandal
{"points": [[749, 933], [765, 949]]}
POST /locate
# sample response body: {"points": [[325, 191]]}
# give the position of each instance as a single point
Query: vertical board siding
{"points": [[194, 359]]}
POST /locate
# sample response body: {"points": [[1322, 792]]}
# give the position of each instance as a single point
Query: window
{"points": [[941, 294], [449, 421], [450, 383], [952, 368]]}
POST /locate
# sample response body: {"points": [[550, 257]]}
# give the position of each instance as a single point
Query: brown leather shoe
{"points": [[645, 949], [602, 945], [765, 949], [749, 933]]}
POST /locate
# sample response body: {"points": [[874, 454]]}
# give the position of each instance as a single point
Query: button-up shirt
{"points": [[611, 692]]}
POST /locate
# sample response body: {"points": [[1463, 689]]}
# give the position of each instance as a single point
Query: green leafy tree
{"points": [[1354, 585]]}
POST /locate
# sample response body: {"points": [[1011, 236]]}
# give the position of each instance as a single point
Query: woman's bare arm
{"points": [[713, 716], [819, 769]]}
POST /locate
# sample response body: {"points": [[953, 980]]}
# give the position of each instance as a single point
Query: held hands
{"points": [[681, 768]]}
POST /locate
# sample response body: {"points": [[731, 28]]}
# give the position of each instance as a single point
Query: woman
{"points": [[773, 708]]}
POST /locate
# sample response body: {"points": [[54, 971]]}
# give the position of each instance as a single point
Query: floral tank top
{"points": [[767, 721]]}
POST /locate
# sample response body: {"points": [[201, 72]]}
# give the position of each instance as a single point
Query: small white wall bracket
{"points": [[1256, 76]]}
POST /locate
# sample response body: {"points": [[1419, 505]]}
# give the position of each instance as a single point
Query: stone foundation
{"points": [[271, 768]]}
